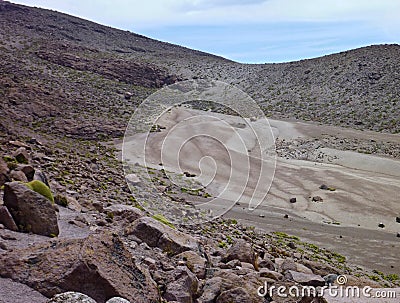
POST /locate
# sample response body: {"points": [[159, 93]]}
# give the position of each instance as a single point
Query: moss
{"points": [[222, 244], [41, 188], [163, 220], [110, 215]]}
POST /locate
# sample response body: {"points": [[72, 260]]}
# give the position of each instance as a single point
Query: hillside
{"points": [[65, 60]]}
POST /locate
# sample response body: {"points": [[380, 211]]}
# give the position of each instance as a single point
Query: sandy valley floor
{"points": [[239, 169]]}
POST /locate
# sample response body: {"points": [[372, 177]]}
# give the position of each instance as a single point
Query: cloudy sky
{"points": [[251, 31]]}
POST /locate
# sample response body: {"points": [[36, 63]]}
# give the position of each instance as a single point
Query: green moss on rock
{"points": [[41, 188]]}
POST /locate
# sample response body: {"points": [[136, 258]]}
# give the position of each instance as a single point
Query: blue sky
{"points": [[249, 31]]}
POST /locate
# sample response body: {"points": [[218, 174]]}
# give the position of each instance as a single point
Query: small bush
{"points": [[41, 188]]}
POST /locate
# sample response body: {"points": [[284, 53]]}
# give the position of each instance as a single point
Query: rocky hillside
{"points": [[56, 66]]}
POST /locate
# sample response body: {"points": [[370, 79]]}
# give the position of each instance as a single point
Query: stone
{"points": [[398, 235], [288, 264], [234, 295], [319, 268], [39, 175], [293, 200], [194, 262], [211, 290], [16, 292], [31, 211], [123, 212], [99, 266], [28, 171], [266, 263], [398, 219], [323, 186], [71, 297], [304, 279], [184, 288], [302, 268], [317, 199], [132, 179], [3, 172], [21, 155], [266, 273], [381, 225], [157, 234], [240, 250], [6, 219], [17, 175], [118, 300]]}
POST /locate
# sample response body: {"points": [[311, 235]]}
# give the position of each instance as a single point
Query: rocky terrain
{"points": [[68, 86]]}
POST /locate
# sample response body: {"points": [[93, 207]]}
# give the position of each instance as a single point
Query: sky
{"points": [[248, 31]]}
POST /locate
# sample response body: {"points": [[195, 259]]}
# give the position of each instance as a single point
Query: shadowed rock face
{"points": [[99, 266], [31, 211]]}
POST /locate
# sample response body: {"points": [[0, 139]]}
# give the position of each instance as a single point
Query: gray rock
{"points": [[184, 288], [31, 211], [266, 273], [157, 234], [126, 212], [6, 219], [398, 219], [266, 263], [71, 297], [242, 251], [305, 279], [195, 263], [41, 177], [211, 290], [118, 300], [17, 175], [234, 295], [28, 170], [3, 172], [317, 199], [21, 155]]}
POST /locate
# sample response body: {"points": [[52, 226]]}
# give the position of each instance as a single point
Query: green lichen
{"points": [[41, 188], [163, 220]]}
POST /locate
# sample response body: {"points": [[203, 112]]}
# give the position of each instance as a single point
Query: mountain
{"points": [[58, 67]]}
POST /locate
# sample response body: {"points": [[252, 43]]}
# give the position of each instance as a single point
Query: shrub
{"points": [[41, 188]]}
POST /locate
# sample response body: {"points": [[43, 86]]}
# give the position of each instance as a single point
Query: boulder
{"points": [[71, 297], [21, 155], [304, 279], [31, 211], [234, 295], [194, 262], [6, 219], [266, 273], [123, 212], [17, 175], [117, 300], [19, 293], [266, 263], [28, 171], [398, 219], [99, 266], [184, 288], [3, 172], [40, 176], [317, 199], [242, 251], [157, 234], [211, 290]]}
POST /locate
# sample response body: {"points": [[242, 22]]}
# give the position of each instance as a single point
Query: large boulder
{"points": [[15, 292], [31, 211], [6, 219], [211, 290], [71, 297], [99, 266], [21, 155], [184, 288], [157, 234], [305, 279], [234, 295], [240, 250]]}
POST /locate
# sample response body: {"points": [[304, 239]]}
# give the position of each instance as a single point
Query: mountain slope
{"points": [[81, 71]]}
